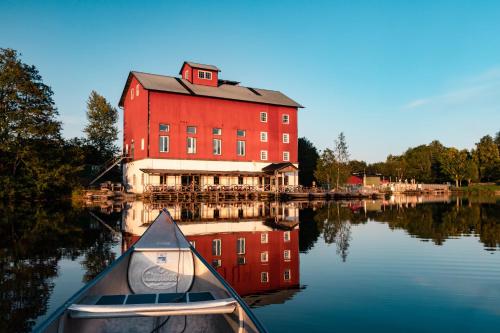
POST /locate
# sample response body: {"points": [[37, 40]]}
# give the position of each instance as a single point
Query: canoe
{"points": [[160, 284]]}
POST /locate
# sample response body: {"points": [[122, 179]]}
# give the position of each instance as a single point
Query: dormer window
{"points": [[186, 75], [205, 75]]}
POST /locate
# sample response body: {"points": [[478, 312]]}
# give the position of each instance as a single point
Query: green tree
{"points": [[454, 164], [308, 158], [497, 140], [101, 130], [325, 168], [486, 156], [32, 155], [341, 154]]}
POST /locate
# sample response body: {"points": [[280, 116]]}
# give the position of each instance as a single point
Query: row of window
{"points": [[264, 276], [240, 246], [217, 147], [218, 131]]}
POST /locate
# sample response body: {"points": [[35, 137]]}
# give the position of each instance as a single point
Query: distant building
{"points": [[200, 129], [364, 180]]}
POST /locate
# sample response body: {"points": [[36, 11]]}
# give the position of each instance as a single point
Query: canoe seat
{"points": [[145, 305]]}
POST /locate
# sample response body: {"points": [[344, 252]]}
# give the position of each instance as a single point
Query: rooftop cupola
{"points": [[201, 74]]}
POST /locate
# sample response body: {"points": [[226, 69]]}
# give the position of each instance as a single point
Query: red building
{"points": [[201, 129]]}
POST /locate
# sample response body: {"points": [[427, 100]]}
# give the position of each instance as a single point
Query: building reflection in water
{"points": [[253, 245]]}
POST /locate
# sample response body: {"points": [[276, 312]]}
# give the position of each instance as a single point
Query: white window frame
{"points": [[287, 117], [243, 133], [264, 256], [289, 271], [205, 75], [190, 127], [264, 238], [137, 89], [164, 130], [217, 131], [286, 138], [164, 144], [240, 148], [286, 236], [240, 245], [218, 247], [186, 74], [263, 117], [191, 145], [264, 277], [286, 156], [287, 255], [132, 94], [263, 155], [218, 261], [142, 144], [217, 146], [263, 136]]}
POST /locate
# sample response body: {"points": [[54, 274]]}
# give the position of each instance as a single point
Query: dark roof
{"points": [[277, 166], [200, 66], [224, 91]]}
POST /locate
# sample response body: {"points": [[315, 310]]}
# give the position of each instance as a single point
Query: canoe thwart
{"points": [[164, 304]]}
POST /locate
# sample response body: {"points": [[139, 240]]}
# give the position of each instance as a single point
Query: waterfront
{"points": [[410, 264]]}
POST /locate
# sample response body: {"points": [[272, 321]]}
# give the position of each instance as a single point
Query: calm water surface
{"points": [[403, 265]]}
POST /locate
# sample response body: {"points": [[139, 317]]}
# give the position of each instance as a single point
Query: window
{"points": [[193, 244], [217, 145], [191, 129], [287, 275], [240, 148], [241, 260], [216, 263], [286, 156], [216, 180], [164, 144], [217, 131], [263, 136], [264, 238], [240, 180], [142, 144], [286, 236], [264, 256], [264, 277], [205, 75], [285, 119], [126, 149], [240, 246], [216, 247], [164, 127], [263, 117], [191, 145], [142, 178], [286, 255], [263, 155], [137, 90], [240, 133], [186, 75], [286, 138], [132, 93]]}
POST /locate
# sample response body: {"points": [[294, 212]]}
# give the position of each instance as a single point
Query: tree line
{"points": [[36, 162], [431, 163]]}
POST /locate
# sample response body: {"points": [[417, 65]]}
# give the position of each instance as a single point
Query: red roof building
{"points": [[200, 129]]}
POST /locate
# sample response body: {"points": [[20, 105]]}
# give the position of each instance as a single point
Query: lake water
{"points": [[403, 265]]}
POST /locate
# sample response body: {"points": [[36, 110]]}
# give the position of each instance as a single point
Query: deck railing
{"points": [[162, 188]]}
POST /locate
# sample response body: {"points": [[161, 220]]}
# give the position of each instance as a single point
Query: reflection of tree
{"points": [[441, 221], [335, 221], [308, 231], [98, 257], [34, 239]]}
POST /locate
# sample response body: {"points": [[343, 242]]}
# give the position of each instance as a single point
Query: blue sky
{"points": [[389, 74]]}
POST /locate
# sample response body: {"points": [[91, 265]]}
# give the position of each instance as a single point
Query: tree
{"points": [[497, 140], [341, 154], [308, 158], [487, 157], [32, 160], [454, 164], [101, 130], [333, 165]]}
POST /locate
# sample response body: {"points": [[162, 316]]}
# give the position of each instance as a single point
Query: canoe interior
{"points": [[114, 281]]}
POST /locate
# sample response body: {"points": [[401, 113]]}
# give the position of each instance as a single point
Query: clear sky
{"points": [[389, 74]]}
